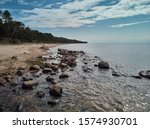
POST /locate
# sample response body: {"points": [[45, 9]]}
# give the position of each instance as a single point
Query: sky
{"points": [[95, 21]]}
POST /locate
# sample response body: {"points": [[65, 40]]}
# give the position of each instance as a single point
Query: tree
{"points": [[1, 16], [7, 16], [17, 26]]}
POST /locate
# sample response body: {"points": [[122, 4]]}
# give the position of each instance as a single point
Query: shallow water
{"points": [[99, 90], [130, 58], [93, 90]]}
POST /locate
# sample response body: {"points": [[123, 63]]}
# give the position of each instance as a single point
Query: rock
{"points": [[53, 73], [96, 65], [20, 106], [26, 79], [63, 65], [64, 75], [8, 78], [103, 65], [54, 67], [47, 65], [114, 73], [3, 82], [55, 90], [40, 94], [52, 102], [35, 67], [86, 69], [29, 84], [50, 79], [22, 68], [54, 82], [13, 83], [145, 74], [136, 77], [14, 58], [47, 70], [82, 52], [69, 60], [20, 72]]}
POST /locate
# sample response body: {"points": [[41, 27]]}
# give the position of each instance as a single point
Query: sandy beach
{"points": [[22, 52]]}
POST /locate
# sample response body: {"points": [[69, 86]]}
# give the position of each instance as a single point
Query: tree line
{"points": [[16, 32]]}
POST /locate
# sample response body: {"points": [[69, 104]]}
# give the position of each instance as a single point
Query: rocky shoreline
{"points": [[41, 87]]}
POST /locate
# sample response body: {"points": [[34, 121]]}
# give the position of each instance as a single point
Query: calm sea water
{"points": [[98, 90], [130, 58]]}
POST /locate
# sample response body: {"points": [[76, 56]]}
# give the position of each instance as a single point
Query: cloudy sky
{"points": [[100, 21]]}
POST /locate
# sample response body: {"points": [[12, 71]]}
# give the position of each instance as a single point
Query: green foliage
{"points": [[16, 32]]}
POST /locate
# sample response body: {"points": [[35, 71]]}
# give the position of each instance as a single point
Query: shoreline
{"points": [[63, 80], [14, 56]]}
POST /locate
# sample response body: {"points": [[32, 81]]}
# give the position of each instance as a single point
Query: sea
{"points": [[100, 91], [130, 57]]}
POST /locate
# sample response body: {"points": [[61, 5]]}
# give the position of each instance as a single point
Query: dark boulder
{"points": [[103, 65], [55, 90], [47, 70], [145, 74]]}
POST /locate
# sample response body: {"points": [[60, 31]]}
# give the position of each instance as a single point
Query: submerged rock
{"points": [[114, 73], [50, 79], [29, 84], [145, 74], [64, 75], [52, 102], [47, 70], [103, 65], [136, 77], [56, 90], [40, 94], [86, 69]]}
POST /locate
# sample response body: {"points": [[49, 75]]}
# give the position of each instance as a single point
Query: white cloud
{"points": [[4, 1], [128, 24], [83, 12]]}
